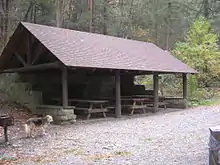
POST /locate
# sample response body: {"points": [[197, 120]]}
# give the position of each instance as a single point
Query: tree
{"points": [[4, 19], [147, 20], [200, 51]]}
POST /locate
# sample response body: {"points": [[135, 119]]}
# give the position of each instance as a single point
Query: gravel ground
{"points": [[170, 138]]}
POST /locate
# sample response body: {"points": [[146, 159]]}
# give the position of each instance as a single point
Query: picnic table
{"points": [[87, 106], [150, 101], [90, 106], [134, 104]]}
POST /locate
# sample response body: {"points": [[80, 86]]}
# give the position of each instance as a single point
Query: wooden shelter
{"points": [[38, 49]]}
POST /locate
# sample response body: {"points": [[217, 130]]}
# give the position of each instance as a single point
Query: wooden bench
{"points": [[160, 104]]}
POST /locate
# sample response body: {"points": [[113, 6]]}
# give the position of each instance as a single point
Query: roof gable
{"points": [[82, 49]]}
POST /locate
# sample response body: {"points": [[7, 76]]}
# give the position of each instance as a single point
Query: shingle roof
{"points": [[82, 49]]}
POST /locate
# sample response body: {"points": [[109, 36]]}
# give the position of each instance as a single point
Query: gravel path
{"points": [[169, 138]]}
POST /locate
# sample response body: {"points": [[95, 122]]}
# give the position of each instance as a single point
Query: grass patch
{"points": [[38, 160], [74, 151], [7, 160], [100, 156], [148, 139], [122, 153], [209, 102]]}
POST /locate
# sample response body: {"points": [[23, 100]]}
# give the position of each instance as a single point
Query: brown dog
{"points": [[38, 122]]}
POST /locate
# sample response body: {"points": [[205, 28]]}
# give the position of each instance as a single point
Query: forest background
{"points": [[189, 29]]}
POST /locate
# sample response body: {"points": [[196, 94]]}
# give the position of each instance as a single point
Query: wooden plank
{"points": [[127, 105], [156, 87], [88, 101], [117, 95], [110, 107], [32, 68], [53, 106], [20, 59], [135, 99], [138, 106], [140, 99], [86, 110], [94, 110], [146, 96], [97, 110], [64, 87], [36, 58], [29, 49]]}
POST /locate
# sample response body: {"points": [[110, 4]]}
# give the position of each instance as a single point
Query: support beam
{"points": [[37, 57], [20, 59], [6, 133], [185, 90], [184, 86], [156, 87], [29, 49], [64, 87], [117, 95], [33, 68]]}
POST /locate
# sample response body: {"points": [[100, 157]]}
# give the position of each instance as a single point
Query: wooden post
{"points": [[6, 133], [156, 86], [184, 86], [117, 95], [64, 87], [185, 90]]}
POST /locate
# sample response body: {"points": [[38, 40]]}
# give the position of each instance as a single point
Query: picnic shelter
{"points": [[66, 64]]}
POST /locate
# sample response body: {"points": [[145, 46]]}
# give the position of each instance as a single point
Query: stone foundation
{"points": [[60, 115]]}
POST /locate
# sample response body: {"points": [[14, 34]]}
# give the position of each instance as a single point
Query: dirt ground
{"points": [[167, 137]]}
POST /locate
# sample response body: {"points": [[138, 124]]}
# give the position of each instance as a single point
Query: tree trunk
{"points": [[5, 7], [105, 17], [28, 11], [206, 8], [156, 33], [91, 8], [168, 28], [31, 14], [58, 13], [1, 22], [35, 15]]}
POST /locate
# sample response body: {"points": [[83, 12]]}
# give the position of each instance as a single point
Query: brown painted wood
{"points": [[88, 101], [117, 95], [184, 86], [6, 133], [29, 48], [92, 110], [156, 87], [20, 59], [38, 54], [32, 68], [95, 106], [135, 73], [65, 87]]}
